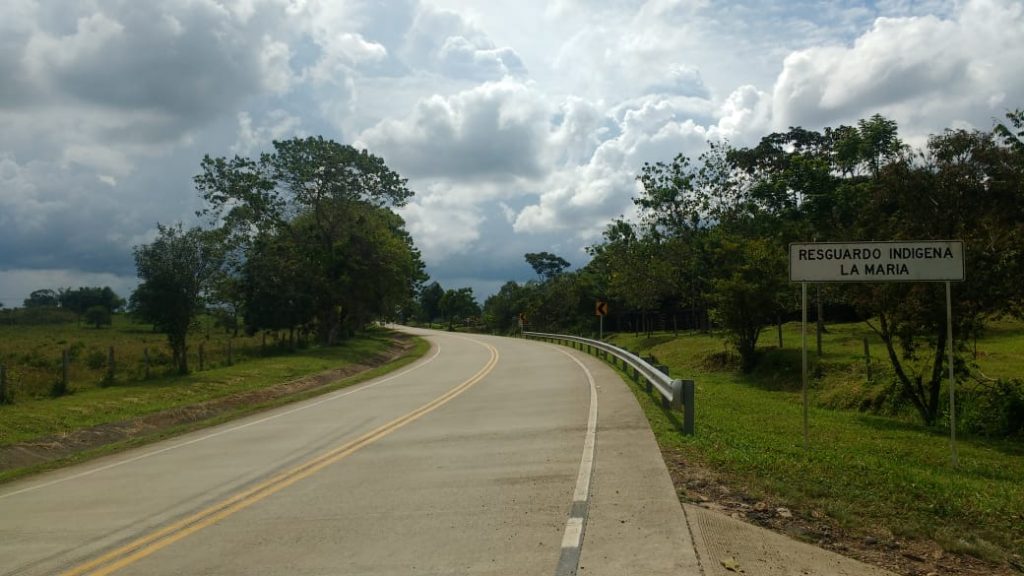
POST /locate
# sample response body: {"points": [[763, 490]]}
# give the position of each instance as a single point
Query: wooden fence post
{"points": [[111, 367], [60, 388], [230, 358], [201, 355], [867, 358], [3, 385], [145, 361]]}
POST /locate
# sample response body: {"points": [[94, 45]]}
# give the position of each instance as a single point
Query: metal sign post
{"points": [[601, 310], [803, 355], [952, 380], [925, 261]]}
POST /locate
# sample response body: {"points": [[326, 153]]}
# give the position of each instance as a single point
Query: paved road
{"points": [[479, 459]]}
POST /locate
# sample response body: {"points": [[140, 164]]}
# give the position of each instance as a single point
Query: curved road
{"points": [[488, 456]]}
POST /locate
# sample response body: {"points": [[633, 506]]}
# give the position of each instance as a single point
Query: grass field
{"points": [[34, 414], [32, 354], [873, 474]]}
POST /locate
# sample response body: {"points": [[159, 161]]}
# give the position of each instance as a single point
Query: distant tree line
{"points": [[94, 305], [452, 307], [711, 240]]}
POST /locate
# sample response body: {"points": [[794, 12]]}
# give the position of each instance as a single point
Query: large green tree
{"points": [[176, 271], [332, 203], [969, 186]]}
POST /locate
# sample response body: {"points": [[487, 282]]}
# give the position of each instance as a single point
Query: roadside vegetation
{"points": [[699, 277], [93, 405], [32, 353], [708, 249], [43, 432], [300, 254], [871, 467]]}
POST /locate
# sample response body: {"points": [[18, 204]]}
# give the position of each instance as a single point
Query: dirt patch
{"points": [[52, 448], [701, 486]]}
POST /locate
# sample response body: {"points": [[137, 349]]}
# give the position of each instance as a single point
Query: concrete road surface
{"points": [[489, 456]]}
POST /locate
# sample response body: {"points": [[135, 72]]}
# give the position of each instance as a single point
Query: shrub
{"points": [[98, 316], [95, 359], [994, 409]]}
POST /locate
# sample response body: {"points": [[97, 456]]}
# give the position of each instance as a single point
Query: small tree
{"points": [[98, 316], [458, 305], [747, 292], [430, 301], [176, 270]]}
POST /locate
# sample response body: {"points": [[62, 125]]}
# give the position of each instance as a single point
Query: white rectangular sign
{"points": [[931, 261]]}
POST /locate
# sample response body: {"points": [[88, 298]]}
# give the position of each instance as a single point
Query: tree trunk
{"points": [[182, 359], [913, 389], [934, 387]]}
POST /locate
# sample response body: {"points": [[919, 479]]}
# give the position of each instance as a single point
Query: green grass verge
{"points": [[870, 473], [32, 353], [96, 406]]}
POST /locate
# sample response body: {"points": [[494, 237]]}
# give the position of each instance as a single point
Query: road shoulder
{"points": [[636, 524]]}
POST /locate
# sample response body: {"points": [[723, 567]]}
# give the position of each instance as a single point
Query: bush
{"points": [[98, 316], [75, 350], [95, 359], [36, 359], [995, 409]]}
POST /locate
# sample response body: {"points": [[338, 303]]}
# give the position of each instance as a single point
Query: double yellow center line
{"points": [[144, 546]]}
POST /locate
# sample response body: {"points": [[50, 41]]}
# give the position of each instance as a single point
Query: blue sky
{"points": [[520, 125]]}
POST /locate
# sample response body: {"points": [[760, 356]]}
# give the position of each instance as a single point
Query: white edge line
{"points": [[328, 398], [573, 533], [572, 540]]}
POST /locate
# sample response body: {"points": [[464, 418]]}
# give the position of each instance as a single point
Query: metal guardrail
{"points": [[676, 394]]}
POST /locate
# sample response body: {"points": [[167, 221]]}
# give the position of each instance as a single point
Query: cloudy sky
{"points": [[520, 125]]}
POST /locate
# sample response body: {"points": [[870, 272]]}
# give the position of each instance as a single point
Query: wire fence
{"points": [[39, 369]]}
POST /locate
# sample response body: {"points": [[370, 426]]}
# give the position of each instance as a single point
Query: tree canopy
{"points": [[546, 264], [176, 270], [317, 240], [710, 239]]}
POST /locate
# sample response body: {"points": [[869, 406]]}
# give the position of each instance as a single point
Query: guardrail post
{"points": [[688, 406], [677, 394]]}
